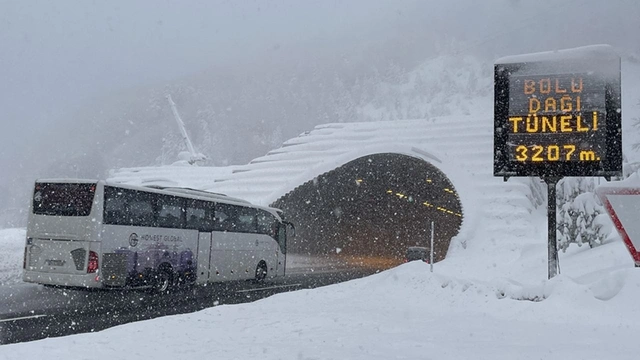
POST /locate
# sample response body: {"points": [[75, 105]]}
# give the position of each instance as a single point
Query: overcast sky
{"points": [[56, 55]]}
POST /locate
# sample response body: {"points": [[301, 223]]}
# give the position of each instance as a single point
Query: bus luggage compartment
{"points": [[114, 269]]}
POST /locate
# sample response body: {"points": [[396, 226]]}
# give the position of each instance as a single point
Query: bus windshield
{"points": [[63, 199]]}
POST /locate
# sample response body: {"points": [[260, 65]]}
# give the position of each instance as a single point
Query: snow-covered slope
{"points": [[460, 146]]}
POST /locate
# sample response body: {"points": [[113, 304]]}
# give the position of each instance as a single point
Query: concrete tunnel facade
{"points": [[372, 209]]}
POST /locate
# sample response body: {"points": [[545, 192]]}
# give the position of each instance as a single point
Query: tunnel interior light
{"points": [[426, 203], [445, 210]]}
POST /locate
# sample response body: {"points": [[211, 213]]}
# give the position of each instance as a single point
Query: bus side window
{"points": [[267, 224], [223, 220], [235, 218], [246, 220], [114, 207], [141, 213], [197, 216], [171, 211]]}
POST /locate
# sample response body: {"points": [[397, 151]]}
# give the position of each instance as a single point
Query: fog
{"points": [[83, 81]]}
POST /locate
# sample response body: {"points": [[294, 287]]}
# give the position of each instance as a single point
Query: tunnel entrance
{"points": [[372, 209]]}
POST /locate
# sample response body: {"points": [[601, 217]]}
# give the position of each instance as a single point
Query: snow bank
{"points": [[403, 313], [11, 254]]}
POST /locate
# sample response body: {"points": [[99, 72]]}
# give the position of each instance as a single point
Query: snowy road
{"points": [[31, 312]]}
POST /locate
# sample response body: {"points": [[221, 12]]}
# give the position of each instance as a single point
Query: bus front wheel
{"points": [[261, 271]]}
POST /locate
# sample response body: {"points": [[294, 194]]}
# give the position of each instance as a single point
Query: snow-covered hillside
{"points": [[446, 85]]}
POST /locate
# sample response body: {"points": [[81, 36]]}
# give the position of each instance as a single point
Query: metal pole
{"points": [[431, 250], [183, 130], [551, 222]]}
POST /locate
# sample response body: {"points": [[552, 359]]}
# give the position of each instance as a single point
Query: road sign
{"points": [[558, 114], [623, 205]]}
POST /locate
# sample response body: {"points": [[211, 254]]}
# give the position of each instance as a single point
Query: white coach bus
{"points": [[97, 234]]}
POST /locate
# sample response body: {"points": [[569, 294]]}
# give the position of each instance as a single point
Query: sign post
{"points": [[558, 114], [431, 250], [553, 263]]}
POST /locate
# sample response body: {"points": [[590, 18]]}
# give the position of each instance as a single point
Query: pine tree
{"points": [[581, 217]]}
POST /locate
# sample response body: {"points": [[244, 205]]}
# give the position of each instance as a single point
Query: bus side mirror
{"points": [[291, 229]]}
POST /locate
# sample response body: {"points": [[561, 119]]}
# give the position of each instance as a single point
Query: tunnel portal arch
{"points": [[373, 207]]}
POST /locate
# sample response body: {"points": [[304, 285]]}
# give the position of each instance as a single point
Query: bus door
{"points": [[204, 257], [280, 251], [286, 231]]}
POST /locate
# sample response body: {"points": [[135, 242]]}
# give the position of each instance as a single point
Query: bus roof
{"points": [[180, 191], [67, 181]]}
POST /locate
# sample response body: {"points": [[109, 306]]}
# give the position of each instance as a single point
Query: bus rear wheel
{"points": [[163, 281], [261, 271]]}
